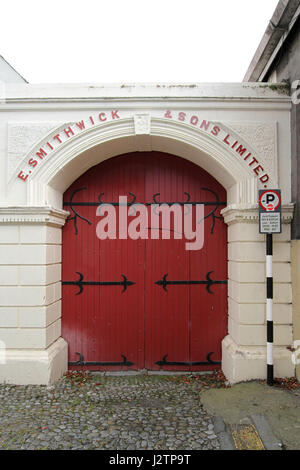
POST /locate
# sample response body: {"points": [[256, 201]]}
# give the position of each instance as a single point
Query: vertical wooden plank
{"points": [[167, 327]]}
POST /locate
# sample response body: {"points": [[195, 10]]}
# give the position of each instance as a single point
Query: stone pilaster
{"points": [[244, 349], [30, 293]]}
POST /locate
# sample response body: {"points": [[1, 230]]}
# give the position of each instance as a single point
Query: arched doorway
{"points": [[144, 303]]}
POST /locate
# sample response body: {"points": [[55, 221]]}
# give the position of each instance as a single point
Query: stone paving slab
{"points": [[275, 412], [89, 411]]}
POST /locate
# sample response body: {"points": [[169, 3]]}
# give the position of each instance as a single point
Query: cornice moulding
{"points": [[33, 215], [235, 213]]}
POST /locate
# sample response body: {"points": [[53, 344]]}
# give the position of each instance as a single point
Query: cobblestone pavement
{"points": [[92, 411]]}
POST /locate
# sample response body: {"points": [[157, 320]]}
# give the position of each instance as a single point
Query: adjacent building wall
{"points": [[286, 68], [277, 60]]}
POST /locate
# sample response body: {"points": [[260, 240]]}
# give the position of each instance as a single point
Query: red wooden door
{"points": [[144, 303]]}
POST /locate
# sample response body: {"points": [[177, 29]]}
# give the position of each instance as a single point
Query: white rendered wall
{"points": [[31, 215]]}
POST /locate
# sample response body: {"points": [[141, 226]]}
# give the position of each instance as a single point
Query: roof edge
{"points": [[277, 27], [12, 69]]}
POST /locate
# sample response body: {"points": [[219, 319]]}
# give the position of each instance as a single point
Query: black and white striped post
{"points": [[269, 276], [269, 223]]}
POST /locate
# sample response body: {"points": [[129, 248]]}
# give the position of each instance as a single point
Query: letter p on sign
{"points": [[269, 204]]}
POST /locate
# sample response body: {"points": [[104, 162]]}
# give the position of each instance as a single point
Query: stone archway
{"points": [[244, 347], [57, 171]]}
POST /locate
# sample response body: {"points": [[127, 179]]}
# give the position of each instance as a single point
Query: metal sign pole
{"points": [[269, 275], [269, 204]]}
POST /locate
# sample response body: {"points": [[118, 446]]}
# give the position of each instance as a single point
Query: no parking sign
{"points": [[269, 211]]}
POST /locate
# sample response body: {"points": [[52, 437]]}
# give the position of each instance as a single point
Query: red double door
{"points": [[144, 303]]}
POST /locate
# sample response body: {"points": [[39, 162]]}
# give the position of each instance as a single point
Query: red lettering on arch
{"points": [[57, 136], [32, 162], [253, 161], [68, 131], [264, 178], [22, 176], [114, 114], [226, 139], [81, 125], [241, 150], [205, 124], [41, 153], [258, 169], [215, 130]]}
